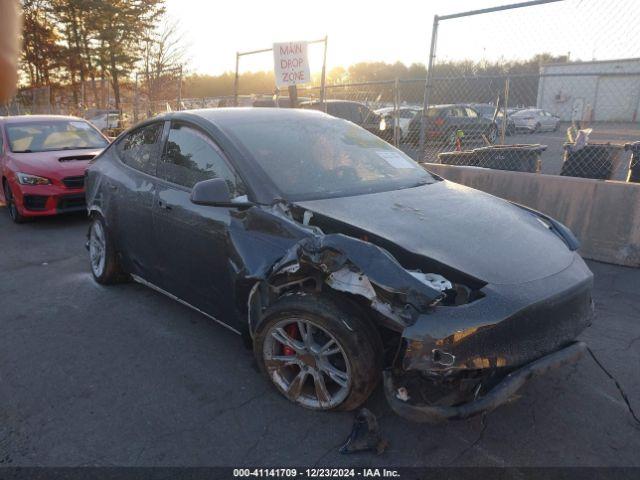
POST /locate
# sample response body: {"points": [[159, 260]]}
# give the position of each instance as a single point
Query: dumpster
{"points": [[516, 158], [465, 158], [595, 160], [634, 165]]}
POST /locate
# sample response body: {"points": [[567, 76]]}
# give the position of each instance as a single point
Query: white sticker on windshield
{"points": [[81, 125], [395, 159]]}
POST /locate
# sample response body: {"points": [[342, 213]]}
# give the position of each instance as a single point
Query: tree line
{"points": [[467, 74], [79, 42]]}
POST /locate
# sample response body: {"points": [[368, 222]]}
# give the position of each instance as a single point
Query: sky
{"points": [[400, 30]]}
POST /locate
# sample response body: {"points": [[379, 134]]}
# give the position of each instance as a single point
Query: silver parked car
{"points": [[534, 120]]}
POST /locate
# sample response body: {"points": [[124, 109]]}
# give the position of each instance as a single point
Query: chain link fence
{"points": [[552, 88], [554, 85]]}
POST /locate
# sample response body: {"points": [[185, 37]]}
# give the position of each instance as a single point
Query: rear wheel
{"points": [[105, 265], [318, 354], [12, 208]]}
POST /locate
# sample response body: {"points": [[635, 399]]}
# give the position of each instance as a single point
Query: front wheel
{"points": [[318, 354], [14, 213], [105, 265]]}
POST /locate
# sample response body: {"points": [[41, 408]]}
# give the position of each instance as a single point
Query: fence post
{"points": [[323, 78], [396, 116], [179, 106], [505, 105], [428, 86], [236, 80]]}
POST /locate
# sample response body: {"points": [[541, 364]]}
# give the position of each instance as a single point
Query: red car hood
{"points": [[54, 165]]}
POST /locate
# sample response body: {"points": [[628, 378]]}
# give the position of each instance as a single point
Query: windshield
{"points": [[46, 136], [321, 157]]}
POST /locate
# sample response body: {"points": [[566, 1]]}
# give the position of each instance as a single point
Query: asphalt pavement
{"points": [[123, 376]]}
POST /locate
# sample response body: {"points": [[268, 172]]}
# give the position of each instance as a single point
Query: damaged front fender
{"points": [[353, 266]]}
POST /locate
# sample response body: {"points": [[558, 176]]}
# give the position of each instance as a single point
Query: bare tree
{"points": [[164, 53]]}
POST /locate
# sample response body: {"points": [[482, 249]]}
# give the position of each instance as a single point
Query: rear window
{"points": [[46, 136]]}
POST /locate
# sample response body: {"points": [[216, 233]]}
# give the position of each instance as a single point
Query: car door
{"points": [[192, 239], [131, 188]]}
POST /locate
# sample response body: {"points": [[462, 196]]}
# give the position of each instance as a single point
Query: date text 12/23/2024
{"points": [[315, 473]]}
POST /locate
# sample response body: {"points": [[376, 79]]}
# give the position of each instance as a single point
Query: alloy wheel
{"points": [[307, 363], [97, 248]]}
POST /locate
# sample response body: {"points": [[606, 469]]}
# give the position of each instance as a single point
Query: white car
{"points": [[405, 115], [534, 120]]}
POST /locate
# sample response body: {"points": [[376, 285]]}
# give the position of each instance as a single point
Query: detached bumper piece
{"points": [[488, 402]]}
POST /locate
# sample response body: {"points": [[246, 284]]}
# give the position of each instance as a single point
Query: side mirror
{"points": [[214, 193]]}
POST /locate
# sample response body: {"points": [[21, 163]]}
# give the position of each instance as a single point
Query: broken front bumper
{"points": [[489, 401]]}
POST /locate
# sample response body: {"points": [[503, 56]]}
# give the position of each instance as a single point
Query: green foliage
{"points": [[71, 41]]}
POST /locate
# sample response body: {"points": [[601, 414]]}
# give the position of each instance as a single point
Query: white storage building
{"points": [[607, 90]]}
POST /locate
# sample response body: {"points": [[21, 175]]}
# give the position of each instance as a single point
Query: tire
{"points": [[103, 259], [348, 375], [12, 208], [536, 129]]}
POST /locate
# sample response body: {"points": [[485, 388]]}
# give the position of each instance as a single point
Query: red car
{"points": [[42, 163]]}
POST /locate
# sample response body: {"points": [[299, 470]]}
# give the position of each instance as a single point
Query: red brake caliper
{"points": [[292, 331]]}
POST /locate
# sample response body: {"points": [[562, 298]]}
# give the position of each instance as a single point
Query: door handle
{"points": [[163, 205], [113, 187]]}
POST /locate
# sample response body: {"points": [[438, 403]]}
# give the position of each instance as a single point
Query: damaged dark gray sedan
{"points": [[340, 258]]}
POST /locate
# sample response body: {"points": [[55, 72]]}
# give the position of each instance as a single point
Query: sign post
{"points": [[291, 67]]}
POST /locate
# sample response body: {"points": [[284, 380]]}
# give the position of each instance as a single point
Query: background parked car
{"points": [[444, 120], [355, 112], [105, 120], [42, 163], [511, 126], [282, 102], [535, 120], [401, 120], [487, 110]]}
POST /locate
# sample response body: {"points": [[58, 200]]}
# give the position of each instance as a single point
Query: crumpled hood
{"points": [[50, 165], [468, 230]]}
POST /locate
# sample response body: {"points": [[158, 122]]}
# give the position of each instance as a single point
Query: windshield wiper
{"points": [[23, 151]]}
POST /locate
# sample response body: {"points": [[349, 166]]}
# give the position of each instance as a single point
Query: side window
{"points": [[191, 156], [471, 113], [140, 148]]}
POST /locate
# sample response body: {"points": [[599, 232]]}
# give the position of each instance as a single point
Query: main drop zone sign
{"points": [[291, 63]]}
